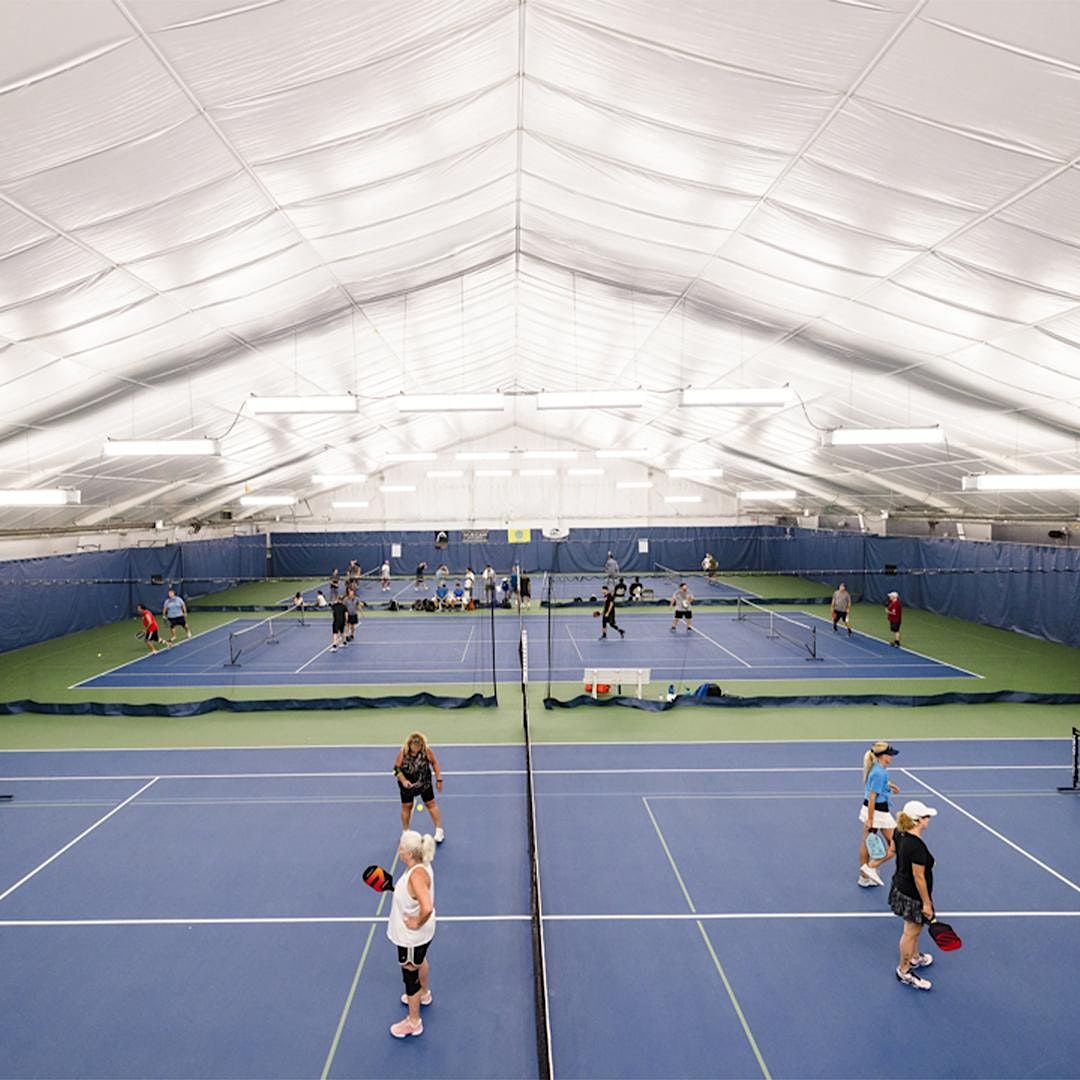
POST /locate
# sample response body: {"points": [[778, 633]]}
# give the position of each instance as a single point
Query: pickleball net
{"points": [[265, 632], [536, 910], [776, 625]]}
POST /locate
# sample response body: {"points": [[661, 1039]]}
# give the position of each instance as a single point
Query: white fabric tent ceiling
{"points": [[876, 201]]}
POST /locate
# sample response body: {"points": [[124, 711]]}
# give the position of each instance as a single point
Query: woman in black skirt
{"points": [[912, 892]]}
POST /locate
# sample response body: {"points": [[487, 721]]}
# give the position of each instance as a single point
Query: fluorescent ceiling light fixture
{"points": [[395, 489], [774, 495], [267, 500], [620, 453], [1022, 482], [591, 399], [694, 474], [444, 474], [39, 497], [536, 472], [882, 436], [494, 472], [550, 455], [584, 472], [309, 403], [483, 455], [162, 448], [630, 485], [682, 498], [332, 479], [416, 455], [451, 402], [747, 396], [349, 504]]}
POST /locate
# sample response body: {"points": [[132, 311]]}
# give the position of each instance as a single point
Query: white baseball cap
{"points": [[916, 810]]}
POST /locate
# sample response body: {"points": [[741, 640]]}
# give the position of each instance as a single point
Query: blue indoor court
{"points": [[456, 647], [200, 913]]}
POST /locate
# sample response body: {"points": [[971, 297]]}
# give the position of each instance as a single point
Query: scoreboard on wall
{"points": [[474, 536]]}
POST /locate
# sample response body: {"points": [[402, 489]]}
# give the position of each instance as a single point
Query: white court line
{"points": [[313, 659], [709, 945], [993, 832], [681, 746], [71, 843], [701, 633], [148, 656], [468, 642], [574, 643], [766, 769], [716, 916], [903, 648]]}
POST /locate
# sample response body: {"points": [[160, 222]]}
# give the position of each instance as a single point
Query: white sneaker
{"points": [[865, 882], [871, 872], [425, 999], [921, 960], [913, 980], [440, 836]]}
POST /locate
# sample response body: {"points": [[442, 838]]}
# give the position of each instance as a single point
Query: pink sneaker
{"points": [[405, 1027], [425, 999]]}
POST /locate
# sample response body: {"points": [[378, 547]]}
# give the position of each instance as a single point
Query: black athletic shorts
{"points": [[684, 615], [180, 621], [152, 636], [412, 954], [408, 794], [339, 622], [894, 626], [608, 620], [353, 619]]}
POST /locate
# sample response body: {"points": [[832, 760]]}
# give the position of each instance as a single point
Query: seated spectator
{"points": [[636, 589], [620, 589], [458, 599], [320, 600], [440, 595]]}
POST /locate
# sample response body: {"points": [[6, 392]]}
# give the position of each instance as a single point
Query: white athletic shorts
{"points": [[882, 819]]}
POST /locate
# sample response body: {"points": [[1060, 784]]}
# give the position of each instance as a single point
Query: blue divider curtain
{"points": [[58, 594], [1027, 588]]}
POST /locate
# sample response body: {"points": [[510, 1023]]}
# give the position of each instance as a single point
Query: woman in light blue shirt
{"points": [[875, 813]]}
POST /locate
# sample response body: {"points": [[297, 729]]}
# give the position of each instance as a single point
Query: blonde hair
{"points": [[868, 758], [421, 848], [417, 735], [905, 823]]}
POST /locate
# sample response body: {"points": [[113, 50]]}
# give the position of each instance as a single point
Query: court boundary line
{"points": [[904, 648], [324, 649], [71, 843], [572, 642], [708, 942], [993, 832], [375, 920], [108, 671], [723, 648], [662, 771], [347, 1007], [515, 743]]}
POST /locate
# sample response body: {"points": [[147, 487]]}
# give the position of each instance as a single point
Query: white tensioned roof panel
{"points": [[875, 204]]}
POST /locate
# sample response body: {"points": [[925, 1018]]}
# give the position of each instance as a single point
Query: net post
{"points": [[1075, 786]]}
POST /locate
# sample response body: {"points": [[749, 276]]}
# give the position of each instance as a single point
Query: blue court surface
{"points": [[454, 647], [199, 913]]}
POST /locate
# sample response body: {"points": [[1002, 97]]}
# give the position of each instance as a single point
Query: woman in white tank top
{"points": [[411, 926]]}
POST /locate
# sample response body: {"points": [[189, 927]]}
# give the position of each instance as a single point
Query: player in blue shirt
{"points": [[875, 813], [175, 610]]}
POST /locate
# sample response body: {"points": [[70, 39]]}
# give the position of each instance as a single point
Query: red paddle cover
{"points": [[379, 879], [945, 937]]}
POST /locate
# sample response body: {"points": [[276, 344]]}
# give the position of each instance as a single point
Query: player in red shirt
{"points": [[894, 612], [150, 627]]}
